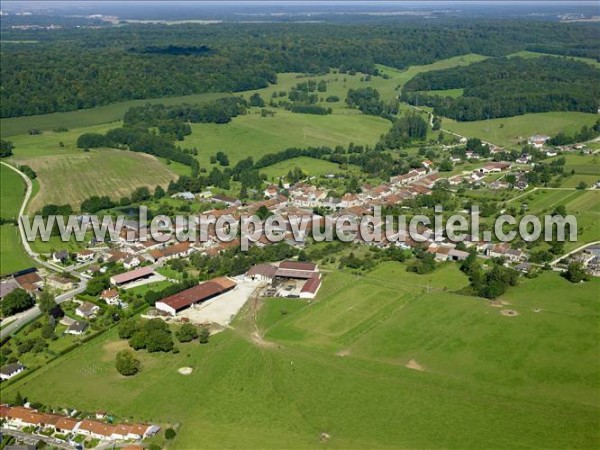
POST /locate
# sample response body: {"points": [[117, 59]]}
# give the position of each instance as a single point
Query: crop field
{"points": [[406, 369], [509, 131], [74, 177], [253, 135]]}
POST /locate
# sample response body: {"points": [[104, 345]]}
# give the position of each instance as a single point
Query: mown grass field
{"points": [[339, 367], [73, 177], [509, 131]]}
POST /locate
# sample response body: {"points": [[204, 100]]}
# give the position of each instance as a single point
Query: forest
{"points": [[505, 87], [75, 68]]}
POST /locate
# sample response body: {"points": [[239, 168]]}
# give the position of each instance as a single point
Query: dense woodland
{"points": [[504, 87], [75, 68]]}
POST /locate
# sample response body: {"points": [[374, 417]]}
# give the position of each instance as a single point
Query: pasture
{"points": [[253, 135], [12, 255], [12, 191], [72, 178], [338, 375], [510, 131], [311, 166]]}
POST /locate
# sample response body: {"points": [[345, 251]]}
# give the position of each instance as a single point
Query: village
{"points": [[137, 263]]}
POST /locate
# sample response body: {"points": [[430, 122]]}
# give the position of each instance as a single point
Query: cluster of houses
{"points": [[20, 417], [589, 258]]}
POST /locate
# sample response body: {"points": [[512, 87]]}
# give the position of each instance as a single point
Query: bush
{"points": [[126, 363], [170, 434], [187, 333]]}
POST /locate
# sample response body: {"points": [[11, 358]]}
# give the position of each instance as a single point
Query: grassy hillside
{"points": [[475, 378], [509, 131], [253, 135], [90, 117], [74, 177], [12, 191]]}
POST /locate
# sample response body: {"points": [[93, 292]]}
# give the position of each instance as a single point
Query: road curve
{"points": [[34, 312]]}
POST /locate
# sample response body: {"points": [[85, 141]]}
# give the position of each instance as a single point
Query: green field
{"points": [[12, 189], [528, 54], [483, 380], [12, 255], [253, 135], [90, 117], [12, 192], [311, 166], [73, 177], [509, 131]]}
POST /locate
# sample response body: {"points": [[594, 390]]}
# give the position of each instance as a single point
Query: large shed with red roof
{"points": [[197, 294]]}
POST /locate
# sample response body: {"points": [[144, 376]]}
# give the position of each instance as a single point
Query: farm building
{"points": [[134, 275], [261, 272], [197, 294], [311, 287]]}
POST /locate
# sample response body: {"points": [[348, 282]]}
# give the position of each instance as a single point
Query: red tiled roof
{"points": [[133, 275], [198, 293], [100, 428], [267, 270], [297, 265], [312, 285]]}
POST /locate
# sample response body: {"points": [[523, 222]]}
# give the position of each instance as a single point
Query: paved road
{"points": [[578, 249], [34, 439], [34, 312]]}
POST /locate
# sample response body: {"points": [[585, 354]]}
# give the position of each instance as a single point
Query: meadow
{"points": [[12, 192], [389, 359], [12, 188], [12, 255], [253, 135], [510, 131]]}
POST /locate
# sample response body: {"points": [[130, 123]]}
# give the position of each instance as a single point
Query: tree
{"points": [[159, 192], [582, 186], [204, 335], [127, 364], [302, 256], [446, 166], [46, 302], [187, 333], [140, 194], [138, 340], [170, 434], [256, 100], [128, 327], [91, 140], [16, 301], [19, 399], [576, 273], [6, 148]]}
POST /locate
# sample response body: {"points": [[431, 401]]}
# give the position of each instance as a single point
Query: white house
{"points": [[11, 370]]}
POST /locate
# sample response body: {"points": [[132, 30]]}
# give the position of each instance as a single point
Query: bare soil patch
{"points": [[414, 365], [185, 370], [509, 312], [344, 352]]}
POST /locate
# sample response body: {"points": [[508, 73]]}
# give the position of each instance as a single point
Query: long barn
{"points": [[197, 294]]}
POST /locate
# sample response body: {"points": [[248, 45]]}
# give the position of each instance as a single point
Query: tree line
{"points": [[72, 69], [505, 87]]}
